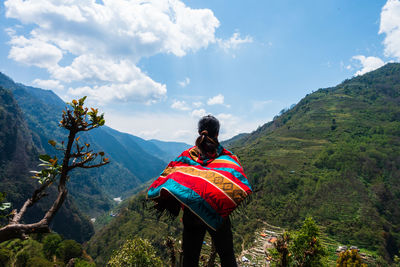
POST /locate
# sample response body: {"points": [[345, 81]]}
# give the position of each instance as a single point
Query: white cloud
{"points": [[234, 42], [48, 84], [197, 104], [180, 105], [143, 90], [90, 67], [390, 26], [185, 82], [160, 125], [218, 99], [368, 64], [198, 113], [34, 52], [105, 41]]}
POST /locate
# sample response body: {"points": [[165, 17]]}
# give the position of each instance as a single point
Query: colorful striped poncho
{"points": [[210, 187]]}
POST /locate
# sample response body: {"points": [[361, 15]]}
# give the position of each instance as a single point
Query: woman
{"points": [[209, 183]]}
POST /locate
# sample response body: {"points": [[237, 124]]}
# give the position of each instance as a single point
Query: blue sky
{"points": [[155, 67]]}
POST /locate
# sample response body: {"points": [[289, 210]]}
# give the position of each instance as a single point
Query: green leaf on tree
{"points": [[45, 157], [52, 142]]}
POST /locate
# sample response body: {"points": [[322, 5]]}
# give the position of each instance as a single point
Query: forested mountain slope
{"points": [[130, 166], [334, 156], [18, 155], [29, 118]]}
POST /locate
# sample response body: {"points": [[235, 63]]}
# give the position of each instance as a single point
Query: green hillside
{"points": [[334, 156], [132, 219]]}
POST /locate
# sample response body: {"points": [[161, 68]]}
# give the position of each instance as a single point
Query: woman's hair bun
{"points": [[208, 128], [204, 132], [210, 124]]}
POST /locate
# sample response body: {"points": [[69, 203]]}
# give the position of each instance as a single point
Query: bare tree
{"points": [[76, 118]]}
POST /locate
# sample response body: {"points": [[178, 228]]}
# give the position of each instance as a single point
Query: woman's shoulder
{"points": [[227, 153]]}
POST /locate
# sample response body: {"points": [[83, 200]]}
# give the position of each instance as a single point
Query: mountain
{"points": [[18, 155], [136, 157], [171, 149], [334, 156], [42, 109], [227, 143], [133, 160], [165, 151]]}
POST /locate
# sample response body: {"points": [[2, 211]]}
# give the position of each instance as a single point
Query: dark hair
{"points": [[208, 128]]}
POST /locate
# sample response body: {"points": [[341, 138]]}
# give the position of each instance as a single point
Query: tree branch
{"points": [[21, 230], [80, 154], [36, 196], [80, 164], [94, 166], [74, 121]]}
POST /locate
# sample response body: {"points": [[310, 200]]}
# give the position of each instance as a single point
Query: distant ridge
{"points": [[234, 139], [172, 149]]}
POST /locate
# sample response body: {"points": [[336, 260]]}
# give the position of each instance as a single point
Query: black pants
{"points": [[194, 230]]}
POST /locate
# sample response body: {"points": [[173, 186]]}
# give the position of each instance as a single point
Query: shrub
{"points": [[135, 252], [307, 248], [350, 258], [69, 249], [300, 248], [50, 244]]}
